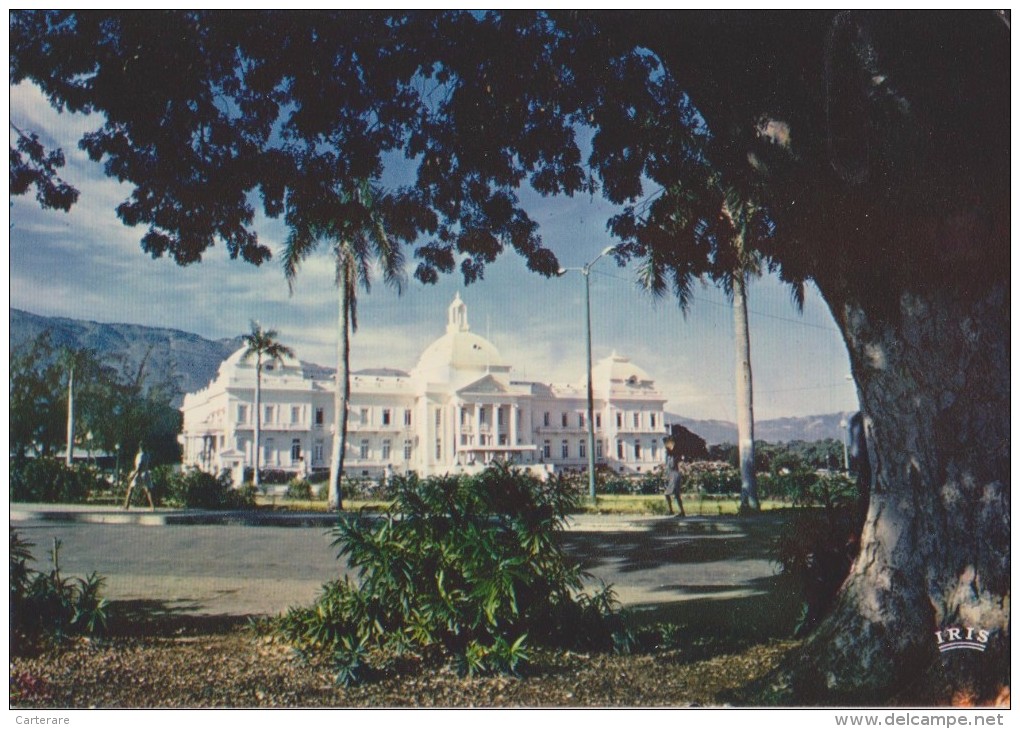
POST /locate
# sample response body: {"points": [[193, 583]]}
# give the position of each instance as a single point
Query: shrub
{"points": [[463, 569], [710, 478], [617, 485], [817, 549], [653, 482], [196, 489], [50, 481], [48, 605], [298, 489]]}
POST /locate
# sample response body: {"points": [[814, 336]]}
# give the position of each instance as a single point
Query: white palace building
{"points": [[456, 411]]}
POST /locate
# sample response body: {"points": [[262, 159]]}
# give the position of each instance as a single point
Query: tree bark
{"points": [[343, 393], [745, 397], [934, 383]]}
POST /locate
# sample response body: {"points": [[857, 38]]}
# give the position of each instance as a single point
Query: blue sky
{"points": [[86, 264]]}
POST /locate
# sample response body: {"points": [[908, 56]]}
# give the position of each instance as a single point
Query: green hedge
{"points": [[50, 481]]}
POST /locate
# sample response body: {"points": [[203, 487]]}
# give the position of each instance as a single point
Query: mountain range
{"points": [[190, 362]]}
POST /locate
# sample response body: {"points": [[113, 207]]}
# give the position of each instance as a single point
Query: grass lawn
{"points": [[608, 504]]}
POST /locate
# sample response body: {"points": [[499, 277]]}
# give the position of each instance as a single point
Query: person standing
{"points": [[141, 476], [673, 478]]}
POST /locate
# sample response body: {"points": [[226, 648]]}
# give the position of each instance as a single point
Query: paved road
{"points": [[239, 570]]}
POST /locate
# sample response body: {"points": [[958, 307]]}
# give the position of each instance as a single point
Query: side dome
{"points": [[618, 370]]}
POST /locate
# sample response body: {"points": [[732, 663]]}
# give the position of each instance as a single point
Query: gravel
{"points": [[230, 665]]}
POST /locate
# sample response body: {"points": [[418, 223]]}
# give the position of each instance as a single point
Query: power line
{"points": [[728, 393], [749, 311]]}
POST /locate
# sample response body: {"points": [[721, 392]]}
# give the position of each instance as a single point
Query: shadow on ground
{"points": [[670, 540], [161, 618]]}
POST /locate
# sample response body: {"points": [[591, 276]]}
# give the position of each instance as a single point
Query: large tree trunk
{"points": [[343, 395], [881, 144], [745, 397], [934, 383]]}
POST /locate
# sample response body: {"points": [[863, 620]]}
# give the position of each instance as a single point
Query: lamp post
{"points": [[844, 424], [585, 271]]}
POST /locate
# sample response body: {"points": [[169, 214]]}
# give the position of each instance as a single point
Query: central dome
{"points": [[458, 350]]}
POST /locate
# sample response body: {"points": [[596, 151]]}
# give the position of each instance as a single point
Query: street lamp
{"points": [[844, 424], [585, 271]]}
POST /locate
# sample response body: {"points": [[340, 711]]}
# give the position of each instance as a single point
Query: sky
{"points": [[86, 264]]}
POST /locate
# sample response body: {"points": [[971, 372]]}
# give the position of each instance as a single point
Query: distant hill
{"points": [[188, 360], [779, 430], [191, 362]]}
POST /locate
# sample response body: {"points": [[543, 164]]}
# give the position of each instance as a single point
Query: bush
{"points": [[298, 489], [816, 551], [50, 481], [47, 605], [462, 569], [196, 489], [710, 478]]}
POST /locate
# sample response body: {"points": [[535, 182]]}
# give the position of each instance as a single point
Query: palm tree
{"points": [[357, 239], [262, 345], [669, 262], [738, 213], [71, 361]]}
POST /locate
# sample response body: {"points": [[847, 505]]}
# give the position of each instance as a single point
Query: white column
{"points": [[478, 424], [513, 424], [457, 432]]}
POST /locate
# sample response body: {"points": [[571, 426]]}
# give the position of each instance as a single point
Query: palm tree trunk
{"points": [[343, 393], [70, 417], [257, 445], [745, 397]]}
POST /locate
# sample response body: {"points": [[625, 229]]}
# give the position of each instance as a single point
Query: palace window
{"points": [[407, 417], [580, 420], [439, 417], [267, 414], [317, 452], [320, 416], [439, 447], [386, 450], [546, 449], [545, 419], [563, 420], [295, 414], [619, 420], [637, 450], [295, 451], [653, 447], [651, 418], [364, 416], [598, 421], [407, 450], [637, 420], [582, 449], [386, 416], [564, 450], [619, 449], [363, 451], [242, 413], [598, 449]]}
